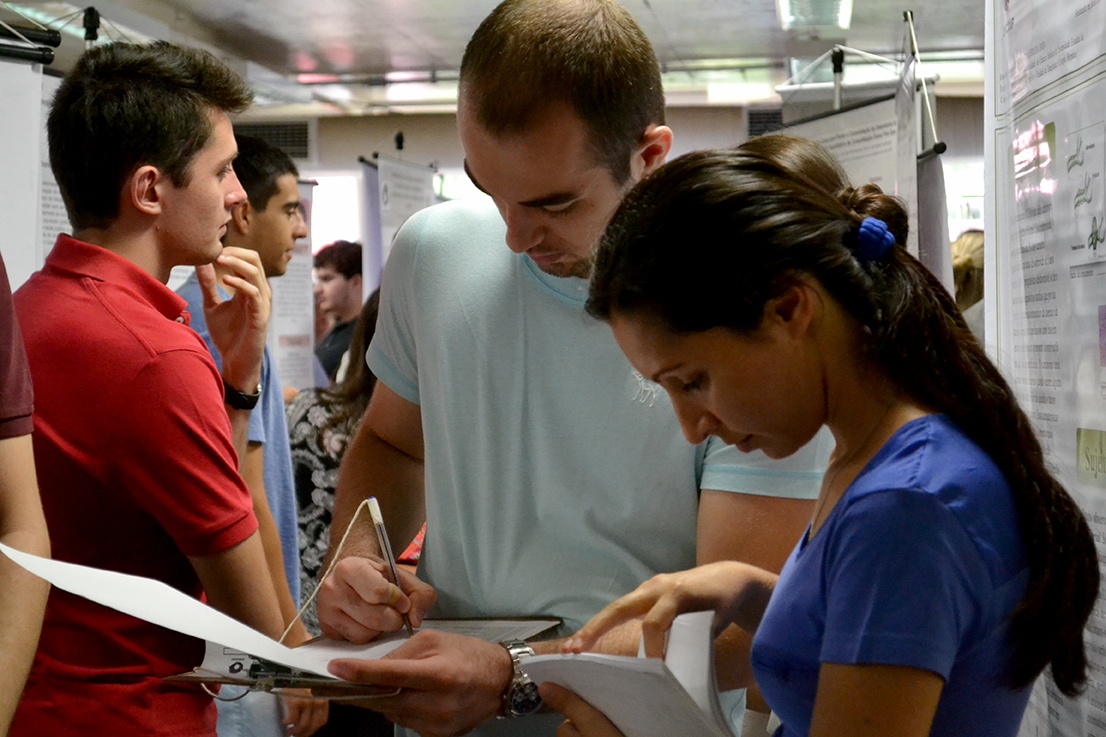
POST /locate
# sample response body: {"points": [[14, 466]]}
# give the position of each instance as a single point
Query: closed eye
{"points": [[693, 385], [561, 208]]}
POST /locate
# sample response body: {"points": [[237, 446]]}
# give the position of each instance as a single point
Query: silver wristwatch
{"points": [[521, 697]]}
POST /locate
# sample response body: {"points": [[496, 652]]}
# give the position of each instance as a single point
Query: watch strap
{"points": [[240, 400]]}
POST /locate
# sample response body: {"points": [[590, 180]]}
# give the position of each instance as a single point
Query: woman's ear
{"points": [[795, 308]]}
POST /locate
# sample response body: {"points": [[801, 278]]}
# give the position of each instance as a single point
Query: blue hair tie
{"points": [[873, 240]]}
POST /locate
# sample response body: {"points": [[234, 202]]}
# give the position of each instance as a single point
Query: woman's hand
{"points": [[581, 718], [737, 592]]}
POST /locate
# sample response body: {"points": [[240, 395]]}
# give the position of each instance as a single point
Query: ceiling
{"points": [[329, 57]]}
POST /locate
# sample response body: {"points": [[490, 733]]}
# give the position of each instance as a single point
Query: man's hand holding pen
{"points": [[358, 600], [441, 684]]}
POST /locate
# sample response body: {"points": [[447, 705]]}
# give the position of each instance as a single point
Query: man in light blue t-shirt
{"points": [[551, 476], [270, 223]]}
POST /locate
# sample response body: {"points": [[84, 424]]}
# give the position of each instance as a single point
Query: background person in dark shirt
{"points": [[338, 292]]}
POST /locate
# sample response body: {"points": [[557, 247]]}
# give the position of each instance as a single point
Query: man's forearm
{"points": [[239, 432], [253, 472], [372, 467], [622, 640]]}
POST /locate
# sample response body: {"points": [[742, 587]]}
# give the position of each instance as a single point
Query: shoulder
{"points": [[182, 370], [930, 475], [442, 251], [102, 322], [302, 403], [476, 211], [448, 226], [190, 292], [314, 407], [932, 455]]}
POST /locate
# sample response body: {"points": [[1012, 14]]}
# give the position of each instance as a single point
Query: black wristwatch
{"points": [[521, 697], [240, 400]]}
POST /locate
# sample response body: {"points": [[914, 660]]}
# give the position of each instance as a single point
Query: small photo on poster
{"points": [[1091, 462]]}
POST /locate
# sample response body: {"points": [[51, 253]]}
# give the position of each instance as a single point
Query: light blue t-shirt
{"points": [[920, 564], [557, 477], [269, 427]]}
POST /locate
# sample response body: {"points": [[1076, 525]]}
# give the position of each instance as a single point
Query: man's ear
{"points": [[651, 152], [145, 189], [355, 282], [241, 216]]}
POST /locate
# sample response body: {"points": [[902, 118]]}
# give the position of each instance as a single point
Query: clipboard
{"points": [[278, 666], [226, 665]]}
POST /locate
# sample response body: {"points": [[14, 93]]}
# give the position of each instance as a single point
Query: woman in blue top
{"points": [[944, 568]]}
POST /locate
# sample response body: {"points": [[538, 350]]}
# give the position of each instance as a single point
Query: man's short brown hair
{"points": [[589, 54], [129, 105]]}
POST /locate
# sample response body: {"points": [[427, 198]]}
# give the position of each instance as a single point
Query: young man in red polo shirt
{"points": [[137, 459]]}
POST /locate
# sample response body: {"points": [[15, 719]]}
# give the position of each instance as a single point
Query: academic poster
{"points": [[396, 190], [1046, 232], [868, 142], [292, 321]]}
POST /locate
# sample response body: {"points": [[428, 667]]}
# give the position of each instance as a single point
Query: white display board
{"points": [[20, 163], [395, 190], [292, 322], [52, 217], [1046, 301], [866, 140]]}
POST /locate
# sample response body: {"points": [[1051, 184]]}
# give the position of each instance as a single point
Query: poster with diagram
{"points": [[1046, 234]]}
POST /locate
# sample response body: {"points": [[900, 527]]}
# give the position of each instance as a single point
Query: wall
{"points": [[960, 126], [432, 139]]}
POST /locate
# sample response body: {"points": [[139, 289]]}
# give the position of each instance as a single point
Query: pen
{"points": [[386, 550]]}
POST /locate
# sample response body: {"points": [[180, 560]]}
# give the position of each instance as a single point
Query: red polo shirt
{"points": [[137, 471]]}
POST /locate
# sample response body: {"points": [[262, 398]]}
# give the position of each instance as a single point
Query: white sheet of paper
{"points": [[160, 604]]}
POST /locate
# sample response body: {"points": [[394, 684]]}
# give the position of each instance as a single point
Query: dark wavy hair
{"points": [[129, 105], [710, 237], [589, 54]]}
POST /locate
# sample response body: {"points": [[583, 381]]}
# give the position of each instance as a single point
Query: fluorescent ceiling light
{"points": [[739, 93], [814, 14]]}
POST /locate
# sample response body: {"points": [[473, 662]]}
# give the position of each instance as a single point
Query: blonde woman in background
{"points": [[967, 274]]}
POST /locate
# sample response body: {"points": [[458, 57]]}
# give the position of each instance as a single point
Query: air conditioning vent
{"points": [[764, 120], [295, 138]]}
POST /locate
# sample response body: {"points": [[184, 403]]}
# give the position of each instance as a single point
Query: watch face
{"points": [[524, 698]]}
